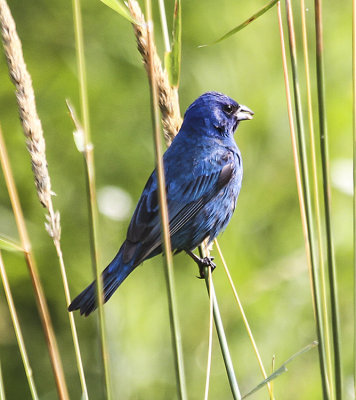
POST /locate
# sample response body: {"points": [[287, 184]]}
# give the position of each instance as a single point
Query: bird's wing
{"points": [[198, 194], [184, 201]]}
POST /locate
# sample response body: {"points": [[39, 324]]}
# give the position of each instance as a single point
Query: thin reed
{"points": [[210, 340], [324, 151], [235, 390], [32, 128], [36, 146], [88, 152], [301, 168], [223, 342], [2, 389], [18, 332], [317, 212], [151, 68], [30, 261], [244, 318], [354, 175]]}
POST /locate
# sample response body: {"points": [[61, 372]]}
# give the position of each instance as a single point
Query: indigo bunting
{"points": [[203, 172]]}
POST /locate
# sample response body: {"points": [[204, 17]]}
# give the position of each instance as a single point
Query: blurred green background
{"points": [[263, 244]]}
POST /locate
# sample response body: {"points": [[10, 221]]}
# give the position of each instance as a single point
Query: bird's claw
{"points": [[203, 263]]}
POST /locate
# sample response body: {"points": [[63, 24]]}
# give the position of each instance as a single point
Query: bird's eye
{"points": [[228, 109]]}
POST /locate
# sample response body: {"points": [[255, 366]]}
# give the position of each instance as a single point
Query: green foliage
{"points": [[247, 22], [119, 8], [9, 244], [281, 369], [173, 58], [263, 244]]}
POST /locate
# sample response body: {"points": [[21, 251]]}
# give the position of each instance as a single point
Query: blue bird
{"points": [[203, 172]]}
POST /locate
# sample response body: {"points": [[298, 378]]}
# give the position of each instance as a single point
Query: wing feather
{"points": [[184, 202]]}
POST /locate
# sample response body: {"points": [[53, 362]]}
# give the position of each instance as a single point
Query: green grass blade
{"points": [[302, 185], [322, 267], [204, 252], [36, 283], [222, 339], [18, 332], [354, 169], [281, 369], [243, 315], [210, 341], [244, 24], [173, 58], [327, 199], [2, 389], [89, 166], [9, 244], [273, 369], [172, 303], [119, 8], [162, 13]]}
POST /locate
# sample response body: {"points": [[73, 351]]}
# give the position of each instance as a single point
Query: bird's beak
{"points": [[243, 112]]}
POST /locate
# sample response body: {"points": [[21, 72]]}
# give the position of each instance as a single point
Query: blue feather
{"points": [[203, 172]]}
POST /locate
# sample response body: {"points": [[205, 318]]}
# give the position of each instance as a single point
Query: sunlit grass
{"points": [[89, 166], [303, 151]]}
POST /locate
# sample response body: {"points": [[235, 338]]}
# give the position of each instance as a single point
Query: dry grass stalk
{"points": [[167, 96], [31, 123], [26, 101], [32, 128], [30, 261]]}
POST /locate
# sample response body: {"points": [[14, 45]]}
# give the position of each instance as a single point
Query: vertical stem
{"points": [[354, 169], [222, 338], [90, 179], [18, 332], [162, 12], [6, 166], [303, 195], [72, 322], [36, 283], [208, 367], [316, 200], [2, 389], [273, 369], [173, 309], [79, 42], [327, 199], [244, 318]]}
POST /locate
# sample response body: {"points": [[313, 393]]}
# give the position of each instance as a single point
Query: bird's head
{"points": [[217, 112]]}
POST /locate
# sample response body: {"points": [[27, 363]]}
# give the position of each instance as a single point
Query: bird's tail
{"points": [[112, 276]]}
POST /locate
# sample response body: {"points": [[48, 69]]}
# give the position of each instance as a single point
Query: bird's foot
{"points": [[204, 263]]}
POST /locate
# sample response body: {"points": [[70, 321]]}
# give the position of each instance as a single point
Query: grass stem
{"points": [[204, 252], [91, 191], [162, 12], [354, 169], [210, 345], [327, 199], [37, 286], [222, 337], [272, 370], [316, 200], [244, 318], [72, 323], [18, 332], [2, 389], [173, 309], [302, 186]]}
